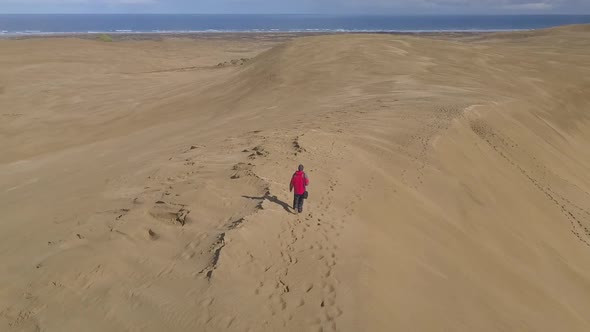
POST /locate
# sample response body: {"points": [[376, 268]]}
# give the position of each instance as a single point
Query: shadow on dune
{"points": [[273, 199]]}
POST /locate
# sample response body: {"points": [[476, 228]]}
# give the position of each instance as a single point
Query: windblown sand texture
{"points": [[144, 187]]}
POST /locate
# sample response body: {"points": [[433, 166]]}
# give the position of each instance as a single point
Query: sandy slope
{"points": [[143, 188]]}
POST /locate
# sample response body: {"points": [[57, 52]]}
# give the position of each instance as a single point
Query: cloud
{"points": [[498, 4], [67, 6], [76, 2], [536, 6], [302, 6]]}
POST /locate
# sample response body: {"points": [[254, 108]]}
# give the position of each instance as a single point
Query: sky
{"points": [[300, 6]]}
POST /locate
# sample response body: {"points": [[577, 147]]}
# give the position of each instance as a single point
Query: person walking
{"points": [[299, 182]]}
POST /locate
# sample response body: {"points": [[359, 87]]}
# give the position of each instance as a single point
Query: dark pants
{"points": [[298, 203]]}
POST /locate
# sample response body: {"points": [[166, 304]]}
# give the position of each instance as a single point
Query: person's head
{"points": [[300, 168]]}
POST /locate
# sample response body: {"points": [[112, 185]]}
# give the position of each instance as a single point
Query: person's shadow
{"points": [[273, 199]]}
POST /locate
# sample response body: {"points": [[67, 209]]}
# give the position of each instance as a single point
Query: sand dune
{"points": [[145, 188]]}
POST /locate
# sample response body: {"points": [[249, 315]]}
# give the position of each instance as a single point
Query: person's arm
{"points": [[291, 184], [306, 179]]}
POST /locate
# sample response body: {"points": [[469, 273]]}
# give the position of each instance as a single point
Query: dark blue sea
{"points": [[19, 24]]}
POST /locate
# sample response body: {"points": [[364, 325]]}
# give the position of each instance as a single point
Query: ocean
{"points": [[26, 24]]}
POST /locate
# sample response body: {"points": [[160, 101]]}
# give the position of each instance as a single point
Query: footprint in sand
{"points": [[153, 235], [170, 214]]}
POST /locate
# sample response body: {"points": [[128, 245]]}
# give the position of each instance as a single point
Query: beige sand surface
{"points": [[144, 188]]}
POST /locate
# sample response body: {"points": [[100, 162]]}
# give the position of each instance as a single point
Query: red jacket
{"points": [[299, 182]]}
